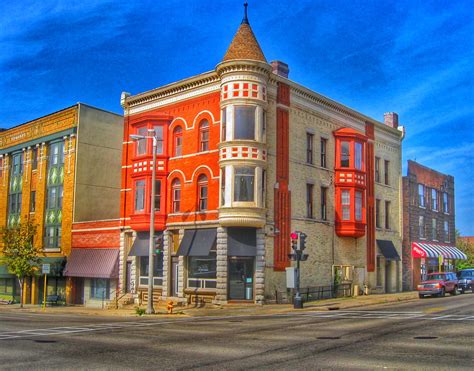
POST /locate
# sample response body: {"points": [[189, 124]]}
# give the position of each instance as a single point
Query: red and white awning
{"points": [[434, 250]]}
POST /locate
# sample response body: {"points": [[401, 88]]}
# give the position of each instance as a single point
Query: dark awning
{"points": [[92, 263], [387, 248], [141, 244], [241, 241], [197, 242]]}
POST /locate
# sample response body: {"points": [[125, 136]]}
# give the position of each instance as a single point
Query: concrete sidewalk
{"points": [[224, 310]]}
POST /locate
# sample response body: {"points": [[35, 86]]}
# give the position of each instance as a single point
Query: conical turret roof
{"points": [[244, 44]]}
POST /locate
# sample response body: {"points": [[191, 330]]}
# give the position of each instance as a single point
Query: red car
{"points": [[438, 284]]}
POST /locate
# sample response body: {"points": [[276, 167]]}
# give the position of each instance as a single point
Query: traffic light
{"points": [[302, 241], [294, 240], [158, 244]]}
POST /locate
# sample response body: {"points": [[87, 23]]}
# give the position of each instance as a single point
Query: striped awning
{"points": [[434, 250]]}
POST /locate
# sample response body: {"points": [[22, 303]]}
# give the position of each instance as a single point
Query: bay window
{"points": [[358, 206], [140, 195], [141, 143], [346, 205], [345, 154], [358, 155], [159, 138], [244, 122], [244, 180], [157, 195]]}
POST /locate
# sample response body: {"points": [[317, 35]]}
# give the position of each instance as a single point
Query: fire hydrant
{"points": [[170, 307]]}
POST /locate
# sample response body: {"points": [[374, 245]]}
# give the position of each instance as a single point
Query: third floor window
{"points": [[421, 195], [204, 136], [434, 199], [377, 170], [309, 148], [178, 141], [324, 143]]}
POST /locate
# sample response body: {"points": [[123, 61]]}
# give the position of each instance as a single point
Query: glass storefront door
{"points": [[241, 272]]}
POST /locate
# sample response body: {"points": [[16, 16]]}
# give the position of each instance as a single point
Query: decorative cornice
{"points": [[244, 65], [199, 81]]}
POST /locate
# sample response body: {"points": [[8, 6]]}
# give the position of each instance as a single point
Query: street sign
{"points": [[46, 268]]}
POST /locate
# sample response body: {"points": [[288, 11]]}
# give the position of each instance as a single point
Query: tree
{"points": [[19, 254], [467, 248]]}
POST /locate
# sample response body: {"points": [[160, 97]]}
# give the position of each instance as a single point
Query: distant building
{"points": [[429, 240], [56, 170], [245, 157]]}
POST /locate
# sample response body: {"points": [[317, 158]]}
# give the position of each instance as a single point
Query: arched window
{"points": [[204, 136], [202, 192], [178, 141], [175, 196]]}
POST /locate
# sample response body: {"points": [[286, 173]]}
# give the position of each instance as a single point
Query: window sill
{"points": [[52, 249]]}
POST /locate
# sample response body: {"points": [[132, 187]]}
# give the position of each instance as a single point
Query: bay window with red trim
{"points": [[350, 183]]}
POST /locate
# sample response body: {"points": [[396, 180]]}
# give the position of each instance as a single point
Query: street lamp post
{"points": [[149, 308]]}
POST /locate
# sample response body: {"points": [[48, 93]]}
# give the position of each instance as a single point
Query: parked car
{"points": [[466, 280], [438, 284]]}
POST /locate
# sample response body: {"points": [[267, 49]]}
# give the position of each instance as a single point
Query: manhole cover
{"points": [[328, 337], [425, 337], [45, 341]]}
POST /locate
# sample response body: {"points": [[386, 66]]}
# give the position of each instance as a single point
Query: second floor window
{"points": [[159, 138], [386, 172], [346, 205], [324, 143], [139, 195], [421, 195], [358, 206], [445, 203], [377, 170], [176, 196], [157, 195], [324, 215], [178, 141], [309, 200], [434, 199], [204, 136], [309, 148], [434, 232], [141, 143], [377, 214], [421, 226], [387, 215], [202, 192]]}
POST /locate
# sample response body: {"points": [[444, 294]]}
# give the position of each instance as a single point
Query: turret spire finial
{"points": [[245, 19]]}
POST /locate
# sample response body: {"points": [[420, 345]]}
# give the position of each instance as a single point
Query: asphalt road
{"points": [[435, 333]]}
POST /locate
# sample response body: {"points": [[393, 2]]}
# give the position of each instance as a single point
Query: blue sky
{"points": [[411, 57]]}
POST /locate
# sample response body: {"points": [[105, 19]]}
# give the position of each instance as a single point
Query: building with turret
{"points": [[246, 156]]}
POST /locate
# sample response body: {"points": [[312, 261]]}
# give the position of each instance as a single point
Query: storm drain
{"points": [[328, 337], [425, 337], [45, 341]]}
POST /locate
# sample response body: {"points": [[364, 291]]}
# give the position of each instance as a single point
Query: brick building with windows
{"points": [[428, 224], [247, 156], [57, 170]]}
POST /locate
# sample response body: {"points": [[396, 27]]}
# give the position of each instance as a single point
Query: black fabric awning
{"points": [[197, 242], [140, 245], [388, 250], [241, 242]]}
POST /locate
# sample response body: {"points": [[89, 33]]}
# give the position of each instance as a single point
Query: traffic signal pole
{"points": [[298, 301], [298, 244]]}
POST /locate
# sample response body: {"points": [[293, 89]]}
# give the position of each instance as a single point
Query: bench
{"points": [[52, 299]]}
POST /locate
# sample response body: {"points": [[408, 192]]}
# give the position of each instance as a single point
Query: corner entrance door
{"points": [[174, 276], [240, 275]]}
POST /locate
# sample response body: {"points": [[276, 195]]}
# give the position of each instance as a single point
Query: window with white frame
{"points": [[244, 184], [346, 205], [358, 155], [358, 206], [202, 192], [141, 143], [159, 138], [157, 195], [244, 122], [139, 195], [176, 195]]}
